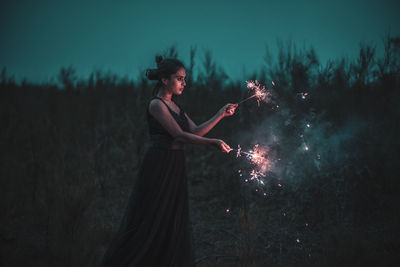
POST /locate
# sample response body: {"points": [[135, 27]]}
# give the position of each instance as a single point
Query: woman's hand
{"points": [[221, 145], [228, 110]]}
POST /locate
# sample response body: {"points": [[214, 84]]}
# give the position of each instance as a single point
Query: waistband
{"points": [[164, 142]]}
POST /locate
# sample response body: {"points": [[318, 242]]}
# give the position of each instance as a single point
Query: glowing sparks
{"points": [[257, 176], [239, 150], [250, 84], [303, 95], [257, 157], [260, 92], [259, 173]]}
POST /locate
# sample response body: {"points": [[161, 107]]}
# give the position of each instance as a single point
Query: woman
{"points": [[155, 228]]}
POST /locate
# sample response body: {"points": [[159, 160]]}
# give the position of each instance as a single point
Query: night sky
{"points": [[121, 36]]}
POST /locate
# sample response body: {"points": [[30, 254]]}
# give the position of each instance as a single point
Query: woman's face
{"points": [[176, 83]]}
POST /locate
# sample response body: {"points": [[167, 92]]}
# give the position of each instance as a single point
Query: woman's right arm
{"points": [[163, 116]]}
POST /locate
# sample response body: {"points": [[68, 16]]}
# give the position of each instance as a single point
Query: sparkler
{"points": [[260, 92], [257, 157]]}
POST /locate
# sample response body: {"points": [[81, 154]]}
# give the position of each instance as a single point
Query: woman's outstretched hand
{"points": [[221, 145], [228, 110]]}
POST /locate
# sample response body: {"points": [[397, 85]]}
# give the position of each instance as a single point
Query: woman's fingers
{"points": [[222, 146], [230, 109], [226, 148]]}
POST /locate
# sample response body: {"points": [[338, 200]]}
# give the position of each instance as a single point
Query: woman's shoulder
{"points": [[156, 105]]}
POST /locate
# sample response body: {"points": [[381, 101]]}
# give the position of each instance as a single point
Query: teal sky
{"points": [[121, 36]]}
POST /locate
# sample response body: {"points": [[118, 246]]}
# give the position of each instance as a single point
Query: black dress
{"points": [[155, 229]]}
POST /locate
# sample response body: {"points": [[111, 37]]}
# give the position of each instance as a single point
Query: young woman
{"points": [[155, 228]]}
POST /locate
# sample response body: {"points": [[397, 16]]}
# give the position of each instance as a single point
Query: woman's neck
{"points": [[164, 95]]}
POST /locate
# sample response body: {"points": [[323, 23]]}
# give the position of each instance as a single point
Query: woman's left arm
{"points": [[204, 128]]}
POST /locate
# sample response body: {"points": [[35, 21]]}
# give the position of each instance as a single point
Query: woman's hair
{"points": [[165, 68]]}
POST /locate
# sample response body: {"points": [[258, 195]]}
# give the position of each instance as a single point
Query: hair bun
{"points": [[159, 59], [152, 74]]}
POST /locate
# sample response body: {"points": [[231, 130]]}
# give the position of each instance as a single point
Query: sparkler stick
{"points": [[246, 99], [247, 154]]}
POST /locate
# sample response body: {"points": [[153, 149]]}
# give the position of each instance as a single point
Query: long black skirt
{"points": [[155, 228]]}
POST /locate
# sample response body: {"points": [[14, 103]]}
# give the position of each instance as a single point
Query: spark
{"points": [[239, 150], [303, 95], [308, 125], [258, 157], [257, 176]]}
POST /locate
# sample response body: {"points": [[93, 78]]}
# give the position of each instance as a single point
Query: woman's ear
{"points": [[164, 81]]}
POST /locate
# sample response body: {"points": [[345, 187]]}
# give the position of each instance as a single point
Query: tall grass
{"points": [[69, 158]]}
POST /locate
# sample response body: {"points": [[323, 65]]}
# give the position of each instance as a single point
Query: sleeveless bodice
{"points": [[159, 137]]}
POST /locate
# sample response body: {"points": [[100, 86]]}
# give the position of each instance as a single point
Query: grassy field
{"points": [[70, 155]]}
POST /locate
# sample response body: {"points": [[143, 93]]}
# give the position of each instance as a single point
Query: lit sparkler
{"points": [[260, 92], [258, 157]]}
